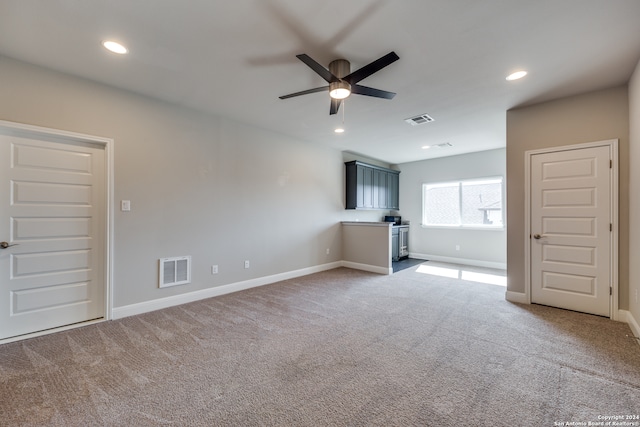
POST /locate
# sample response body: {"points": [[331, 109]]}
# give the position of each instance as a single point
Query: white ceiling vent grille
{"points": [[175, 271], [419, 120]]}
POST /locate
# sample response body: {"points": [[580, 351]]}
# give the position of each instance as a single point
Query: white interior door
{"points": [[52, 213], [570, 242]]}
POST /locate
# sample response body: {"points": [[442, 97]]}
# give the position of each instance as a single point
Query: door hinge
{"points": [[610, 290], [610, 226], [610, 164]]}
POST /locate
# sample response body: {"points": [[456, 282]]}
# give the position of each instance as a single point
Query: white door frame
{"points": [[107, 144], [613, 258]]}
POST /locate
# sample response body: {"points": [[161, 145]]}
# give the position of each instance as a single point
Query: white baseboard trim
{"points": [[51, 331], [627, 317], [157, 304], [517, 297], [463, 261], [367, 267]]}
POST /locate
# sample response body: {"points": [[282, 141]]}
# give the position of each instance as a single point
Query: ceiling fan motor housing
{"points": [[339, 68]]}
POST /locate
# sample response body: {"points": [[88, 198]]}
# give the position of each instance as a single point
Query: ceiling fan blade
{"points": [[305, 92], [319, 69], [369, 91], [335, 104], [371, 68]]}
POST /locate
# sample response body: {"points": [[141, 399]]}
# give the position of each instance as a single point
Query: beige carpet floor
{"points": [[338, 348]]}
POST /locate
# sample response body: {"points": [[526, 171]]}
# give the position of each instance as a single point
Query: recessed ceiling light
{"points": [[426, 147], [114, 47], [517, 75], [339, 130]]}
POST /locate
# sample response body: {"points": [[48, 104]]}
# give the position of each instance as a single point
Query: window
{"points": [[469, 203]]}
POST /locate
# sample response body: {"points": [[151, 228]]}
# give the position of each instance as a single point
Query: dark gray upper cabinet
{"points": [[393, 193], [371, 187]]}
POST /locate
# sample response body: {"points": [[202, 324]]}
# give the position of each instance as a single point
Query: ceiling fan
{"points": [[343, 82]]}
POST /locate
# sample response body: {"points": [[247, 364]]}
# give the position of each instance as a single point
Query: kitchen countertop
{"points": [[374, 223], [368, 223]]}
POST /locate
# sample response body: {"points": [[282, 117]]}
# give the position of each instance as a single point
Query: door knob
{"points": [[5, 245], [537, 236]]}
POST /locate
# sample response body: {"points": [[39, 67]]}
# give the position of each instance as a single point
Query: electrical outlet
{"points": [[125, 205], [328, 251], [246, 264], [214, 269], [457, 247]]}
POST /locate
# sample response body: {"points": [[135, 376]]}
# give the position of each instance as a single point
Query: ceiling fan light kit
{"points": [[339, 89], [342, 82]]}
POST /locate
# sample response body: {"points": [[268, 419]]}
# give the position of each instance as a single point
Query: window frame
{"points": [[459, 183]]}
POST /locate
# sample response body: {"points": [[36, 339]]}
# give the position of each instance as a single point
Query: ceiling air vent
{"points": [[444, 145], [419, 120], [175, 271]]}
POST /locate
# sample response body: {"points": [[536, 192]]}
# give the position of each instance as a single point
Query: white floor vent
{"points": [[175, 271]]}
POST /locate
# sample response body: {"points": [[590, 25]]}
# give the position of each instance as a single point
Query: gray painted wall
{"points": [[224, 192], [481, 246], [594, 116], [199, 185]]}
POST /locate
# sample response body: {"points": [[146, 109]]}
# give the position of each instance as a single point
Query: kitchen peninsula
{"points": [[367, 246]]}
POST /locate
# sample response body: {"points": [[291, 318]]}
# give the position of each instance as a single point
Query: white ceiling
{"points": [[233, 58]]}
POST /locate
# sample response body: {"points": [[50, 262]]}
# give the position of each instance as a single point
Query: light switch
{"points": [[125, 205]]}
